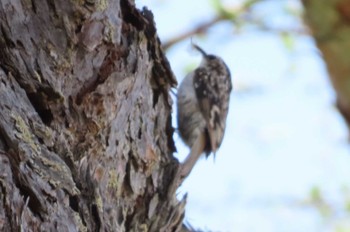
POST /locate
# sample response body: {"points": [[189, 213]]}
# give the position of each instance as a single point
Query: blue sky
{"points": [[284, 135]]}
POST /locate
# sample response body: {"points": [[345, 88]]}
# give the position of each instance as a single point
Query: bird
{"points": [[203, 99]]}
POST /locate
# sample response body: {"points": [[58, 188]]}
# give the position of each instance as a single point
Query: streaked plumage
{"points": [[203, 100]]}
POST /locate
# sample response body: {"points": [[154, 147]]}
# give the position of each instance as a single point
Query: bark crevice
{"points": [[85, 115]]}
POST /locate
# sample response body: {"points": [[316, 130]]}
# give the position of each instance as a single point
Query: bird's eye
{"points": [[211, 57]]}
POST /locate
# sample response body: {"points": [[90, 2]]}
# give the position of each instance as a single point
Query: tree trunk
{"points": [[330, 23], [85, 119]]}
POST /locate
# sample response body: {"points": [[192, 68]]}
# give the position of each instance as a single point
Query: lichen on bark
{"points": [[85, 118]]}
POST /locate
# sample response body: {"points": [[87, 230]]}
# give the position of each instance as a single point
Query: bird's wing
{"points": [[213, 92]]}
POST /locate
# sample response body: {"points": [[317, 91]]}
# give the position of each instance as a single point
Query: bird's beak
{"points": [[199, 49]]}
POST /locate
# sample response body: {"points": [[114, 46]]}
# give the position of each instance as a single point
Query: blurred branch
{"points": [[222, 14], [233, 15], [198, 30], [294, 30]]}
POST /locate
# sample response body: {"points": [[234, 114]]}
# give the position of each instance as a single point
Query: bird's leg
{"points": [[186, 167]]}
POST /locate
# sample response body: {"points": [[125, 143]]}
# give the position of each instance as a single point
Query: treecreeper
{"points": [[202, 102]]}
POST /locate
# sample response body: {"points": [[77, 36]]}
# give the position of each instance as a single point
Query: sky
{"points": [[285, 141]]}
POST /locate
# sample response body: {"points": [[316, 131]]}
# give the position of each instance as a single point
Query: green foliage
{"points": [[190, 67], [222, 11], [317, 200], [342, 228], [337, 216], [231, 14], [288, 40]]}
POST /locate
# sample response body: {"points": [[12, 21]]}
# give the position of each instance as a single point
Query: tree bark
{"points": [[330, 23], [85, 119]]}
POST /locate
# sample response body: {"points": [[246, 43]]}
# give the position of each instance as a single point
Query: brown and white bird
{"points": [[202, 102]]}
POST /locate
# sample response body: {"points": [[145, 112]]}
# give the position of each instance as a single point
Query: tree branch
{"points": [[202, 28]]}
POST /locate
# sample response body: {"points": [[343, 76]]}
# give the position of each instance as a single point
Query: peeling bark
{"points": [[85, 119]]}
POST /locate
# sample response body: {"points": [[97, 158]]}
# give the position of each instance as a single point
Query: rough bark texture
{"points": [[85, 119], [330, 24]]}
